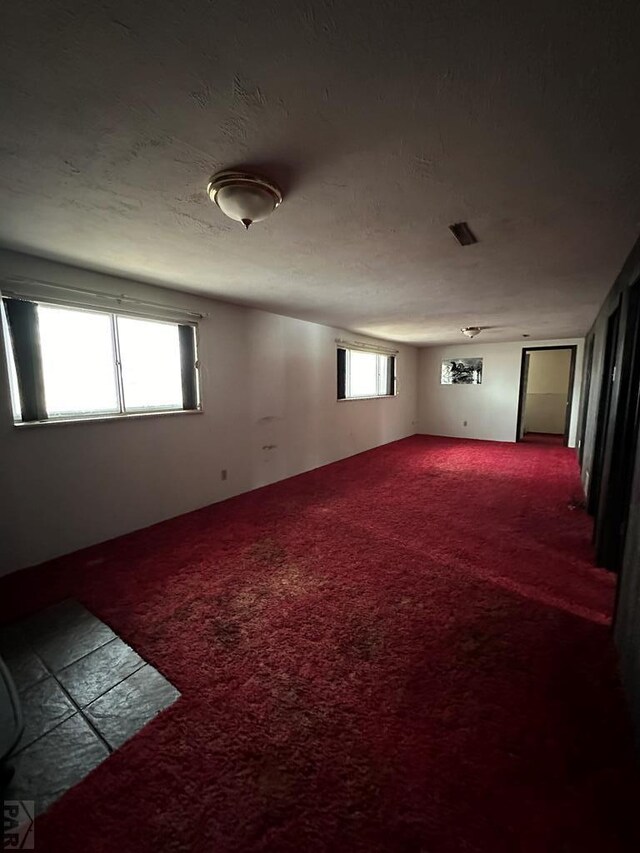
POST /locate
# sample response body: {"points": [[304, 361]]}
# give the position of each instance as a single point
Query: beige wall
{"points": [[270, 411], [490, 410], [549, 371], [547, 388]]}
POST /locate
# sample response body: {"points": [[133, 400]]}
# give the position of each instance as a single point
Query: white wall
{"points": [[270, 411], [491, 408], [547, 387]]}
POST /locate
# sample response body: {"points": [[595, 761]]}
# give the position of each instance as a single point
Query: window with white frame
{"points": [[365, 373], [75, 363]]}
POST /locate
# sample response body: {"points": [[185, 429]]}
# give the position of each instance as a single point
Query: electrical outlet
{"points": [[223, 474]]}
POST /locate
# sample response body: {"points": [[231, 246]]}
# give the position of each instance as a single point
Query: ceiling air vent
{"points": [[463, 234]]}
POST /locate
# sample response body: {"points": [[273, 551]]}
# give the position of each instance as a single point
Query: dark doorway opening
{"points": [[618, 421], [546, 393]]}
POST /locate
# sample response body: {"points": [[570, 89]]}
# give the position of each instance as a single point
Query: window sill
{"points": [[375, 397], [102, 418]]}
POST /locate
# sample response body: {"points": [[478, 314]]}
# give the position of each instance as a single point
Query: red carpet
{"points": [[404, 651]]}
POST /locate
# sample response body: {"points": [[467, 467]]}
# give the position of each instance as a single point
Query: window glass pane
{"points": [[14, 388], [150, 358], [363, 374], [383, 374], [78, 363]]}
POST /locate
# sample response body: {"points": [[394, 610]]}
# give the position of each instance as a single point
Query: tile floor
{"points": [[84, 692]]}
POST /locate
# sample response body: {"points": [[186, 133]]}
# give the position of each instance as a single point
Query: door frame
{"points": [[585, 391], [523, 381]]}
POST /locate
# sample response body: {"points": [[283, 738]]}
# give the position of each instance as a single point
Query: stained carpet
{"points": [[408, 650]]}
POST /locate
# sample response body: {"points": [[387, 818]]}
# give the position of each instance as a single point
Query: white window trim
{"points": [[62, 420]]}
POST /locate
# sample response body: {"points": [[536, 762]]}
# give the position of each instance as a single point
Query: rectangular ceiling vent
{"points": [[463, 234]]}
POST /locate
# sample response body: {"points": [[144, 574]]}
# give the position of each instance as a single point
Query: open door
{"points": [[546, 393]]}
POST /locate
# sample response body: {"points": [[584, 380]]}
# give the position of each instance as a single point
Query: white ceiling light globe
{"points": [[243, 197]]}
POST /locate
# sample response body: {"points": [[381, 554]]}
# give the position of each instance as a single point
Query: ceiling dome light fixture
{"points": [[471, 331], [244, 197]]}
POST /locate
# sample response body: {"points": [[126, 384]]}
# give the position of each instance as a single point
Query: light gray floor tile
{"points": [[55, 762], [93, 675], [126, 708], [64, 659], [44, 706], [66, 632]]}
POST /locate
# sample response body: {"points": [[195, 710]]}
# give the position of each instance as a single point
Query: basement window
{"points": [[83, 364], [363, 374]]}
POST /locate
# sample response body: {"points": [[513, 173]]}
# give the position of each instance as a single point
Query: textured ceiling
{"points": [[383, 121]]}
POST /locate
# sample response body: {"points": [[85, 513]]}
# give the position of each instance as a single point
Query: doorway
{"points": [[546, 394], [618, 423]]}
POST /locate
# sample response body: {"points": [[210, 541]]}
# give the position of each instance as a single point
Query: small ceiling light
{"points": [[244, 197], [471, 331]]}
